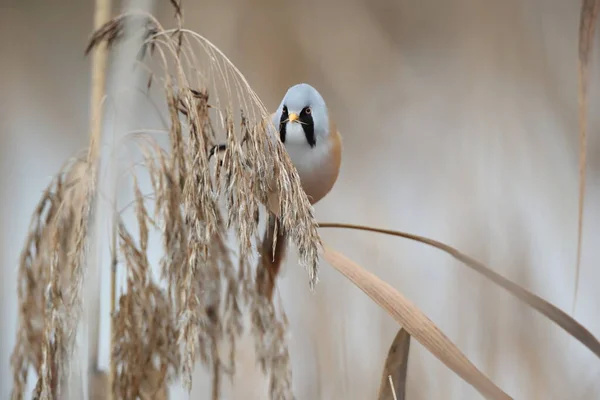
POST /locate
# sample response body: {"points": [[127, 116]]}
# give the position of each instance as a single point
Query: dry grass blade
{"points": [[415, 322], [589, 15], [555, 314], [393, 378]]}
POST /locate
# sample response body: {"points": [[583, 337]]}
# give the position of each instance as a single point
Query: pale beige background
{"points": [[459, 123]]}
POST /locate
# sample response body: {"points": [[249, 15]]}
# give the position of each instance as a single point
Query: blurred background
{"points": [[459, 120]]}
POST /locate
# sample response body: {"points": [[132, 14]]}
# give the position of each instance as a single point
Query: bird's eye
{"points": [[285, 110], [308, 110]]}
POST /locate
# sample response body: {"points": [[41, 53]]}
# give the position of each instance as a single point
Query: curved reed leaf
{"points": [[589, 15], [415, 322], [393, 377], [554, 313]]}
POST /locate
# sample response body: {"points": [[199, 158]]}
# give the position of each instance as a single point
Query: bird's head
{"points": [[302, 116]]}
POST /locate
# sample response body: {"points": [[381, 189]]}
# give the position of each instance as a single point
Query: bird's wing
{"points": [[336, 146]]}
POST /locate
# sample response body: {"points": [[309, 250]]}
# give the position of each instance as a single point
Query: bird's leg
{"points": [[217, 148], [222, 147]]}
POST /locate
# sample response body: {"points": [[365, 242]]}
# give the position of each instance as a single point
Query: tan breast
{"points": [[319, 179]]}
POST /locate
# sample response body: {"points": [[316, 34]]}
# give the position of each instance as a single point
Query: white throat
{"points": [[307, 160], [294, 135]]}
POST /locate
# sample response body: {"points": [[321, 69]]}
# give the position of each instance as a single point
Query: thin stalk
{"points": [[98, 87], [99, 61], [123, 76]]}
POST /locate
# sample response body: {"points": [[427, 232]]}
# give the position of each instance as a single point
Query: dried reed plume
{"points": [[50, 281], [207, 290], [160, 333]]}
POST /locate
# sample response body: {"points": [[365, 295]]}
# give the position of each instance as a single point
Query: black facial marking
{"points": [[308, 126], [282, 123]]}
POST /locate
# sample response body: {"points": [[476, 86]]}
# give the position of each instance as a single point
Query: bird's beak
{"points": [[293, 117]]}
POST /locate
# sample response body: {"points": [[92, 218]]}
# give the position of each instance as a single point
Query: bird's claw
{"points": [[215, 149]]}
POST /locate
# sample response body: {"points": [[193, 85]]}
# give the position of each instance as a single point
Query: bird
{"points": [[314, 145], [310, 138]]}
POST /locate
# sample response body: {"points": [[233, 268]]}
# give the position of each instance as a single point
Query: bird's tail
{"points": [[271, 259]]}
